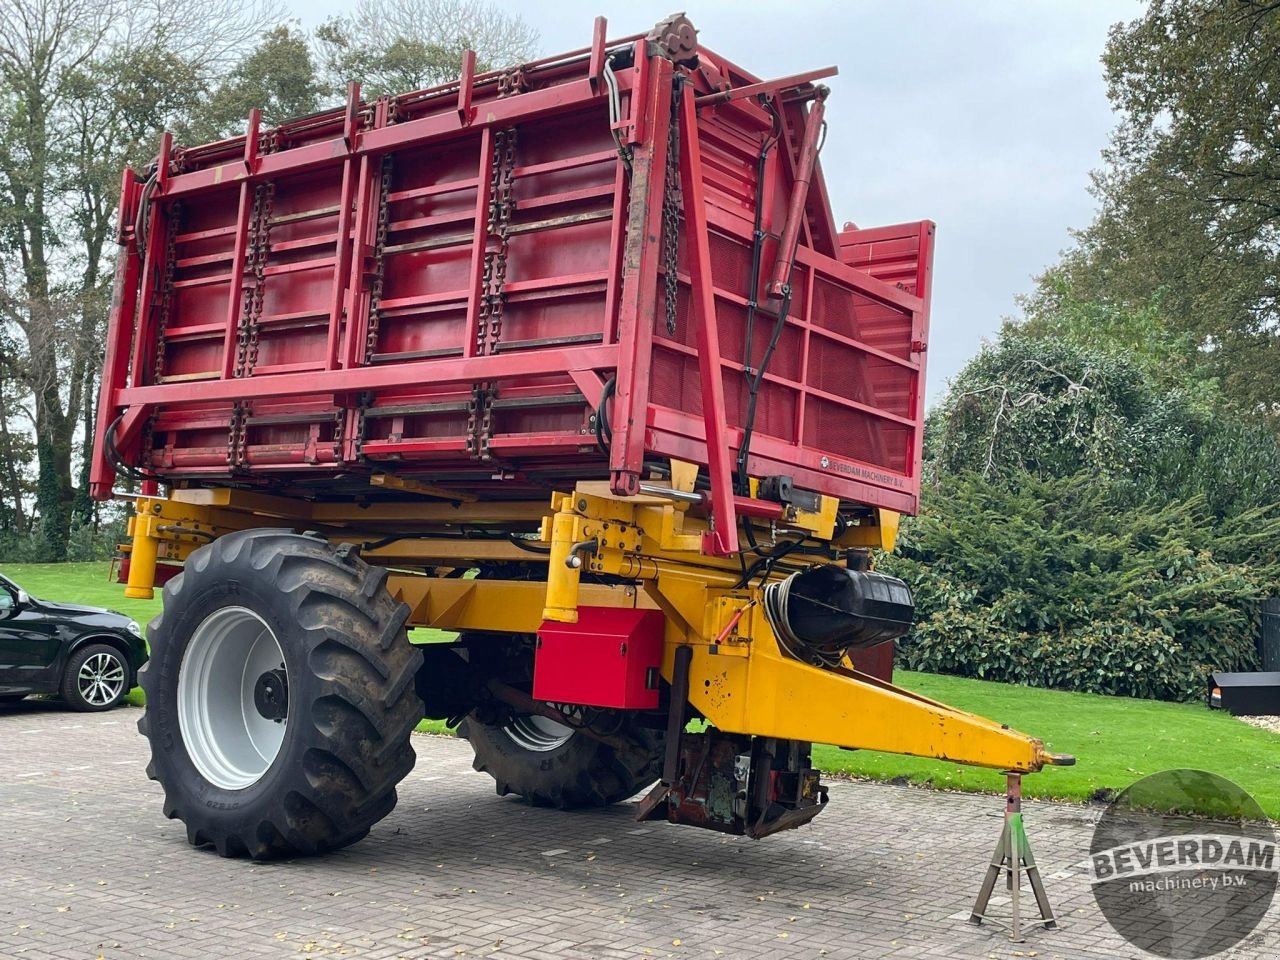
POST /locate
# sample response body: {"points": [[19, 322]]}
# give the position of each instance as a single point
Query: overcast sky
{"points": [[983, 116]]}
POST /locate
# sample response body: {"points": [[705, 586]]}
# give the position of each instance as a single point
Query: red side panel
{"points": [[876, 661], [900, 255], [609, 658], [442, 283]]}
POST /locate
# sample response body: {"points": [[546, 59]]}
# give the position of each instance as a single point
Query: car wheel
{"points": [[96, 678]]}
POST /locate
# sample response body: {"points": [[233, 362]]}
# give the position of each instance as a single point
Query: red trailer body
{"points": [[450, 284]]}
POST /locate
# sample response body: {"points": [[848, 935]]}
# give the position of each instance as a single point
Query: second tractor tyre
{"points": [[279, 696], [550, 764]]}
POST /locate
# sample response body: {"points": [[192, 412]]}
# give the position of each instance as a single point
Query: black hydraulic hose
{"points": [[741, 483], [604, 432], [748, 426], [113, 454], [767, 562], [523, 544]]}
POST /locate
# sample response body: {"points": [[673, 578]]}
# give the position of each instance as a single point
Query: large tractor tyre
{"points": [[552, 764], [280, 696]]}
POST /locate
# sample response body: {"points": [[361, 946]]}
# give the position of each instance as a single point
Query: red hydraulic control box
{"points": [[609, 658]]}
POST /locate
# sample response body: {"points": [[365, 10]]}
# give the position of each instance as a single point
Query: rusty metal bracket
{"points": [[766, 88]]}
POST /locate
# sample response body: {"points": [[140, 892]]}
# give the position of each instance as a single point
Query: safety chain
{"points": [[362, 408], [671, 204], [257, 252], [494, 277], [502, 206], [261, 255], [512, 82], [165, 308], [485, 307], [339, 427], [258, 249], [238, 437], [379, 249], [147, 457]]}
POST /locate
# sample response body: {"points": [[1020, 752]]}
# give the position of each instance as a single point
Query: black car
{"points": [[87, 655]]}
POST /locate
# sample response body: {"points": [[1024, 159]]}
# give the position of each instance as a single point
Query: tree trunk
{"points": [[8, 454], [85, 510]]}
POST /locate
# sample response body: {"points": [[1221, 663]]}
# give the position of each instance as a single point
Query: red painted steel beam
{"points": [[466, 86], [115, 365], [639, 298], [359, 379], [765, 87], [480, 213], [342, 253], [799, 197], [920, 338], [595, 66], [722, 538], [802, 465], [235, 292]]}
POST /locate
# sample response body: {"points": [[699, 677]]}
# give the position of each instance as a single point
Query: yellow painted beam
{"points": [[443, 552], [389, 481], [768, 694], [503, 606]]}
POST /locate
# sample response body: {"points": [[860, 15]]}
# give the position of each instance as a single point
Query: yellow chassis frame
{"points": [[740, 679]]}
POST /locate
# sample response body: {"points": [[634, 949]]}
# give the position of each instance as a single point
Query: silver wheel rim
{"points": [[228, 740], [100, 679], [538, 733]]}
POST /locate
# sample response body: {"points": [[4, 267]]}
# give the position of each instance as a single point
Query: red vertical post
{"points": [[115, 364], [595, 66], [342, 250], [479, 241], [364, 234], [366, 193], [806, 336], [617, 228], [235, 295], [641, 256], [722, 539], [466, 85], [920, 338], [157, 241]]}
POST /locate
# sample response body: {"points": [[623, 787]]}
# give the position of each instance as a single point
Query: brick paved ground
{"points": [[89, 868]]}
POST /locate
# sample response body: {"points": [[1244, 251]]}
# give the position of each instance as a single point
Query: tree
{"points": [[16, 447], [1140, 332], [1051, 408], [83, 85], [278, 77], [392, 46], [1061, 583], [1190, 194]]}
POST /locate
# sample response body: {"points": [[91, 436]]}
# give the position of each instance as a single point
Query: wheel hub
{"points": [[101, 679], [233, 698], [271, 695]]}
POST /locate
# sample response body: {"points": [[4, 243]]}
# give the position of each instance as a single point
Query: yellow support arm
{"points": [[769, 694]]}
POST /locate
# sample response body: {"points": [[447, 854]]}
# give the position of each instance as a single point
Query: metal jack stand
{"points": [[1012, 857]]}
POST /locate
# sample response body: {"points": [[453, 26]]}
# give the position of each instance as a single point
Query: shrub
{"points": [[1070, 583]]}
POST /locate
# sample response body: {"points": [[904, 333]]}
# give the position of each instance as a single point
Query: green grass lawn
{"points": [[1116, 740]]}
